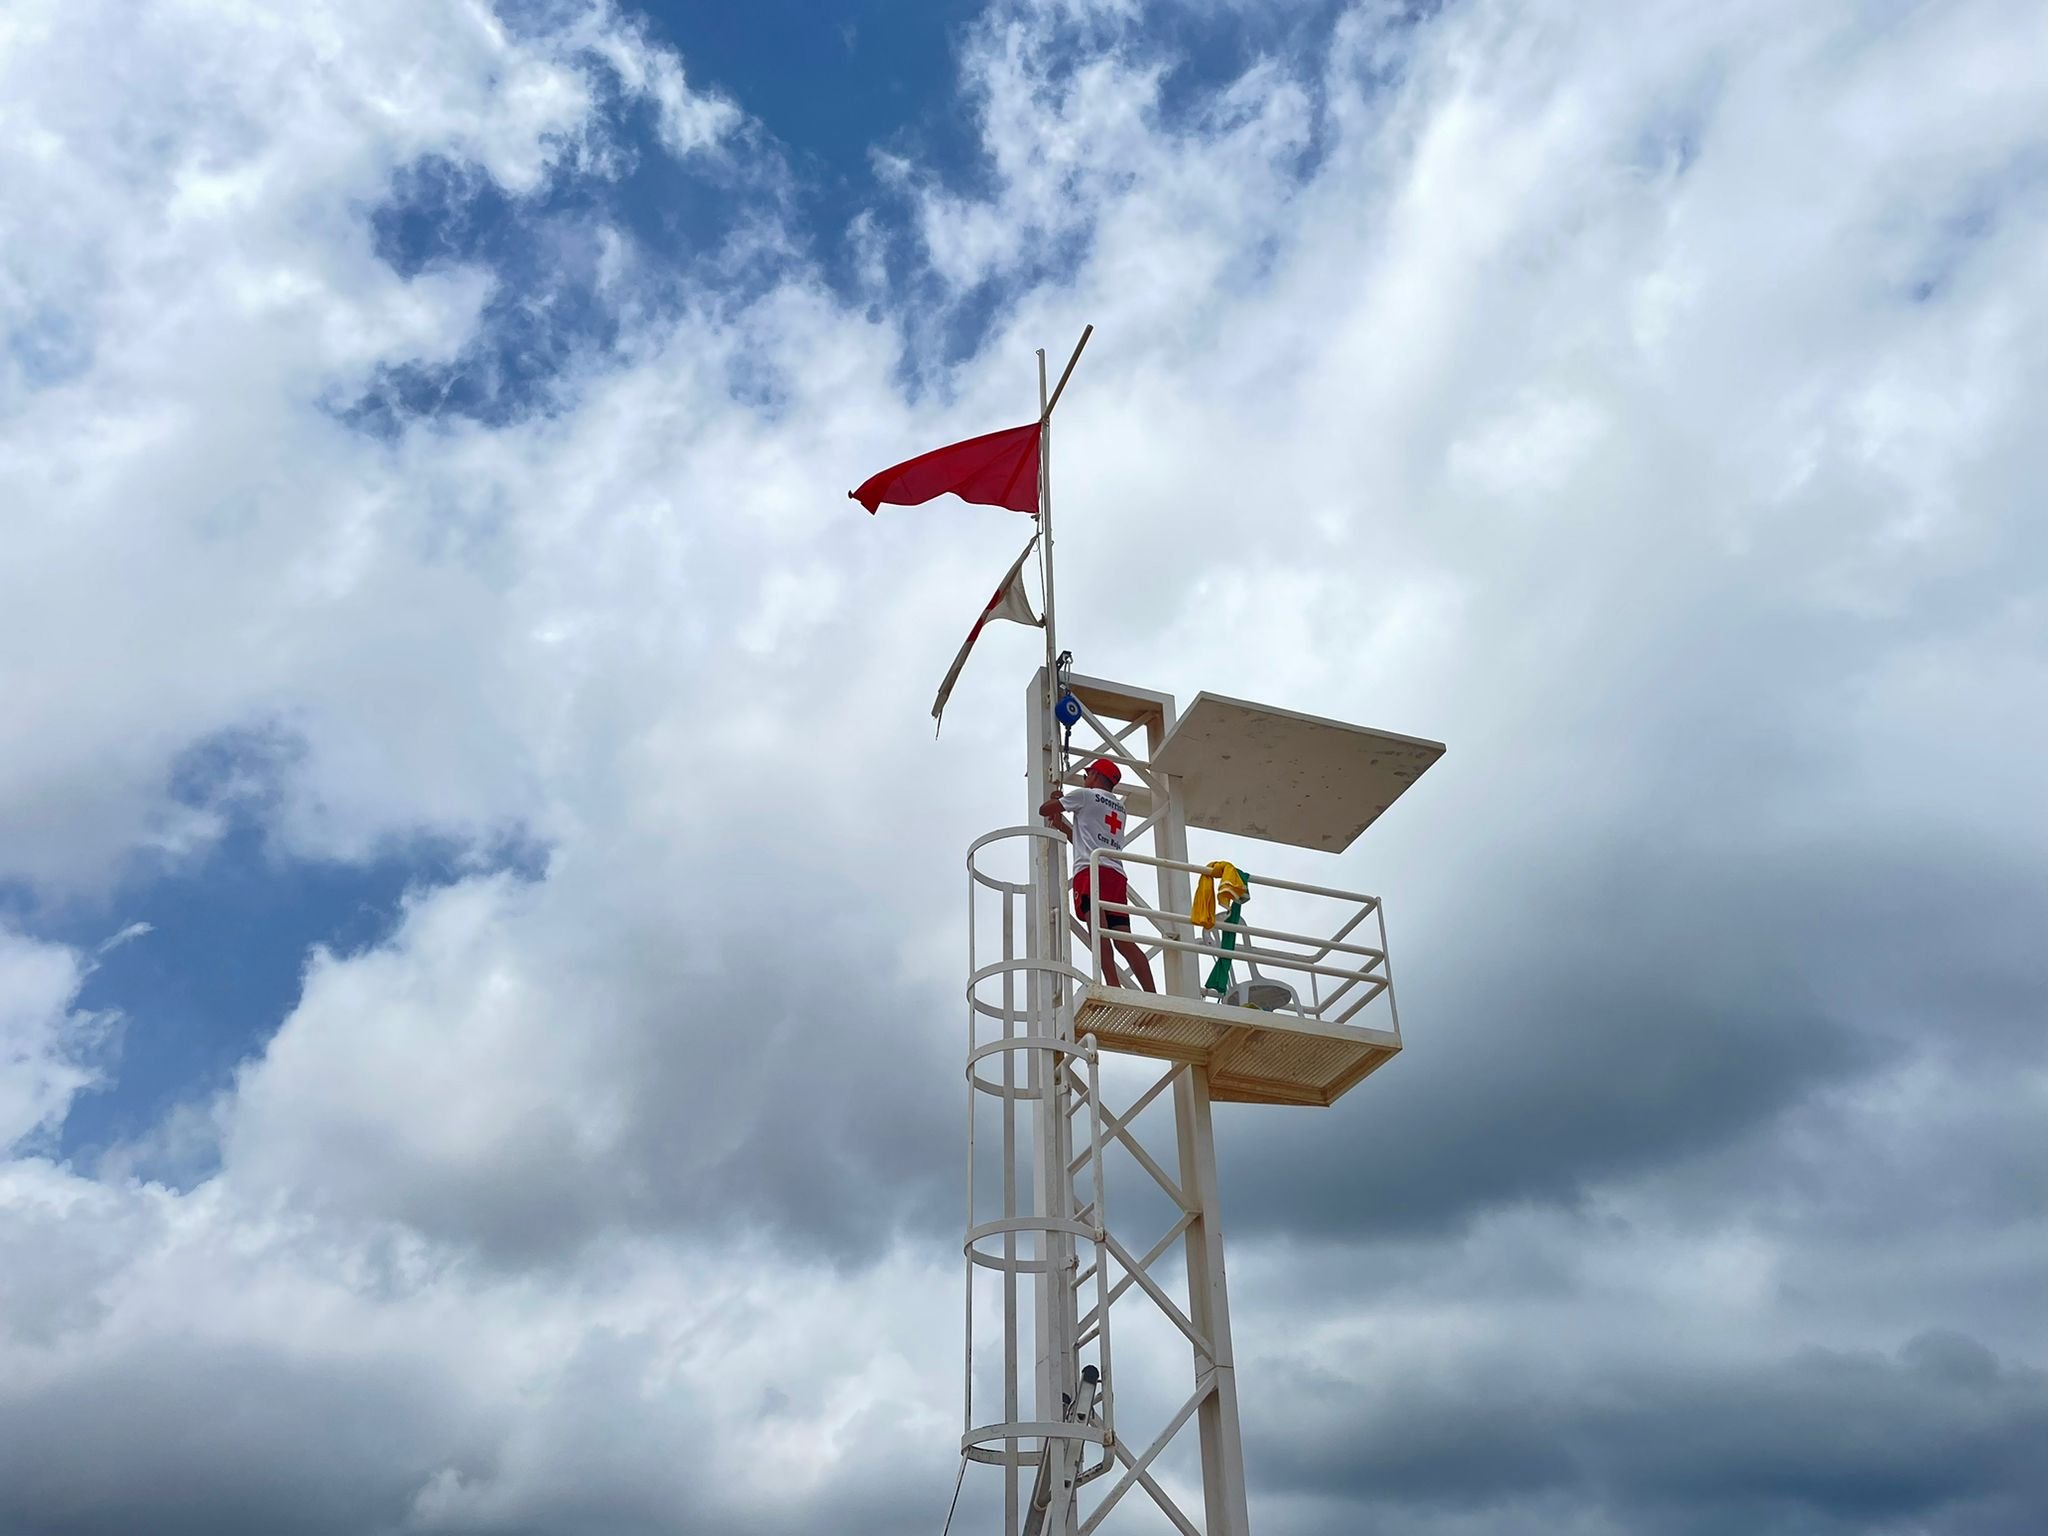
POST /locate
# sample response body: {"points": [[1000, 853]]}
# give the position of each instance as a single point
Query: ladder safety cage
{"points": [[1022, 1054]]}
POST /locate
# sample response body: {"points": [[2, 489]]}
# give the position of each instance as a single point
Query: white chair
{"points": [[1256, 991], [1264, 994]]}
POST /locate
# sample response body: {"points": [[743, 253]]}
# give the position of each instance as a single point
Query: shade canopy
{"points": [[1251, 770]]}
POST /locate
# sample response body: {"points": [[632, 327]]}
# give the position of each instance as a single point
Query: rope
{"points": [[948, 1526], [1039, 540]]}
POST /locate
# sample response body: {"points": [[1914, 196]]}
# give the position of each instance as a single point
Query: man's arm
{"points": [[1055, 813]]}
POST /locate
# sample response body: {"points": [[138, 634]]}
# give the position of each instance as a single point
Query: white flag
{"points": [[1008, 603]]}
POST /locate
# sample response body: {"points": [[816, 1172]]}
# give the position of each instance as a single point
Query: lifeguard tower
{"points": [[1052, 1039], [1051, 1273]]}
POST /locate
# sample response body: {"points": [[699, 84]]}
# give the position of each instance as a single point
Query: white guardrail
{"points": [[1330, 978]]}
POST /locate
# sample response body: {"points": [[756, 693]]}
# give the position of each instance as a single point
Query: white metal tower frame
{"points": [[1045, 1449], [1038, 1025]]}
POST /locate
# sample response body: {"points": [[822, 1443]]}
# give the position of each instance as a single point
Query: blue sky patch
{"points": [[217, 946], [824, 89], [223, 961]]}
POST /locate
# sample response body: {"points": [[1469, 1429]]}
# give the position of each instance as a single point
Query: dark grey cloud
{"points": [[186, 1437], [210, 1436], [1614, 1019], [1941, 1436]]}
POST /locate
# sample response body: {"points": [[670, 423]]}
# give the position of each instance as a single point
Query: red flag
{"points": [[999, 469], [1010, 602]]}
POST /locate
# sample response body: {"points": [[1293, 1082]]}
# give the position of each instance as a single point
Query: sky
{"points": [[480, 904]]}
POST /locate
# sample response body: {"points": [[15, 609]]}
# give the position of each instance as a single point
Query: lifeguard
{"points": [[1098, 822]]}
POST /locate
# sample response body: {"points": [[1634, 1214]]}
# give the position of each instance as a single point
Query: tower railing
{"points": [[1340, 975]]}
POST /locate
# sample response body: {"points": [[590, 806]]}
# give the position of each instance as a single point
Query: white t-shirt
{"points": [[1098, 823]]}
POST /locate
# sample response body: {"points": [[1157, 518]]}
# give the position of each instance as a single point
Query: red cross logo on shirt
{"points": [[1115, 822]]}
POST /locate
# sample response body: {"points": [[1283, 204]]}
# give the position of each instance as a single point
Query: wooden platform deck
{"points": [[1252, 1057]]}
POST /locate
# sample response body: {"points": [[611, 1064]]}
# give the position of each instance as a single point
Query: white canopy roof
{"points": [[1255, 771]]}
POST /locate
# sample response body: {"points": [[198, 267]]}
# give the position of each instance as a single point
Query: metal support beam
{"points": [[1223, 1488]]}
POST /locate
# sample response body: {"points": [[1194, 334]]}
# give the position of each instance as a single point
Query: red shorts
{"points": [[1114, 888]]}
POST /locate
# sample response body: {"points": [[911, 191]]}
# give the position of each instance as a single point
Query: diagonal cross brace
{"points": [[1152, 1256], [1164, 1302], [1136, 1469], [1150, 1484], [1113, 1126]]}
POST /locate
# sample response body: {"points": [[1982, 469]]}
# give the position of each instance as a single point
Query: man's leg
{"points": [[1141, 968], [1117, 889], [1109, 971], [1082, 898]]}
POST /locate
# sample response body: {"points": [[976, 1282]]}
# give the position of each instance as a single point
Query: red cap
{"points": [[1104, 765]]}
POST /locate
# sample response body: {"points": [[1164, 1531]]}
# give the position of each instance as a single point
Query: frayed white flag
{"points": [[1009, 603]]}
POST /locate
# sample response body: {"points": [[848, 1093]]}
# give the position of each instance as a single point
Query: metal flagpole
{"points": [[1054, 765], [1056, 1345], [1052, 644]]}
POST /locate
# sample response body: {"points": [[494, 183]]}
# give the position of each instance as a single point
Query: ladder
{"points": [[1041, 1490]]}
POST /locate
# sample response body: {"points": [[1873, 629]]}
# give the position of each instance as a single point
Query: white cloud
{"points": [[47, 1046], [127, 935], [195, 538]]}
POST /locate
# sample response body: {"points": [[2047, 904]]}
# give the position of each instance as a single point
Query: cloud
{"points": [[1638, 398], [1821, 1440], [521, 1079], [49, 1049], [200, 238], [229, 1369], [127, 935]]}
